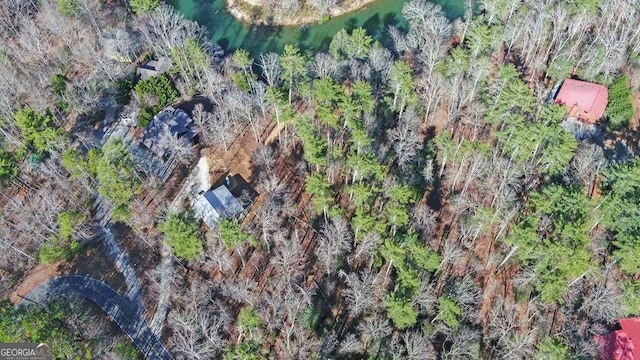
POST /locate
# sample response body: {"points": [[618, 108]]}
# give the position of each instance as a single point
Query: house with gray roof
{"points": [[216, 204], [166, 126], [152, 68]]}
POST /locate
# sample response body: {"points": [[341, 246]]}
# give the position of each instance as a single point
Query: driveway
{"points": [[124, 312]]}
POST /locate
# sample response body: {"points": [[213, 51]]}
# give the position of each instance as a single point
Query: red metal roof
{"points": [[632, 328], [622, 344], [584, 100]]}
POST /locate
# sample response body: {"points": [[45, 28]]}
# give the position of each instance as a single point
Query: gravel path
{"points": [[164, 300], [122, 262]]}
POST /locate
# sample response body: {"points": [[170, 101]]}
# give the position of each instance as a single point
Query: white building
{"points": [[216, 204]]}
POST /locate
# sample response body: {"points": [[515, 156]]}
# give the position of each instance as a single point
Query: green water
{"points": [[232, 34]]}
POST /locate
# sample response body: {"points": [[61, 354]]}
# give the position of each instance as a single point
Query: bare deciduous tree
{"points": [[200, 325], [350, 345], [239, 290], [325, 65], [359, 292], [406, 139], [588, 162], [423, 218], [197, 335], [298, 341], [165, 28], [599, 301], [463, 343], [365, 248], [181, 149], [509, 333], [288, 259], [333, 243], [217, 254], [374, 328], [222, 128], [418, 346], [468, 295], [426, 298], [260, 97], [203, 120], [243, 105], [271, 68], [380, 59], [264, 157], [428, 33]]}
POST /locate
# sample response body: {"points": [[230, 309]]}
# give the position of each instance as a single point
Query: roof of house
{"points": [[631, 327], [168, 123], [584, 100], [622, 344], [153, 67], [216, 204]]}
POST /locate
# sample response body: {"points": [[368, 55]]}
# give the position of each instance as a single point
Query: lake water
{"points": [[232, 34]]}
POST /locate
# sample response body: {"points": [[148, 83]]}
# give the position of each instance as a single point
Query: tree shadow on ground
{"points": [[95, 262]]}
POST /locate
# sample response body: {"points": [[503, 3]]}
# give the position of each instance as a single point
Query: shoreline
{"points": [[238, 9]]}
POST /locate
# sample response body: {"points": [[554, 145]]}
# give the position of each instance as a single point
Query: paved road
{"points": [[124, 312]]}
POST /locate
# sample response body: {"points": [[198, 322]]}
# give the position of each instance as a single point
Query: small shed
{"points": [[152, 68], [584, 100], [168, 123], [216, 204], [623, 344]]}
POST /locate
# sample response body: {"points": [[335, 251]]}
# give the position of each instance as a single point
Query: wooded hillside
{"points": [[423, 201]]}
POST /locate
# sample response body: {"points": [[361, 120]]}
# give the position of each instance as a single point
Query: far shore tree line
{"points": [[418, 201]]}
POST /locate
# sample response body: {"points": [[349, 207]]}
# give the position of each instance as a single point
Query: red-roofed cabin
{"points": [[584, 100], [621, 344]]}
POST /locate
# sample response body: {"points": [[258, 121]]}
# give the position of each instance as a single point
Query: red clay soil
{"points": [[237, 160], [38, 275], [494, 284], [257, 267], [94, 262]]}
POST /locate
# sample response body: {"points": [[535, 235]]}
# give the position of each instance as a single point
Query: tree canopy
{"points": [[39, 130], [117, 180], [161, 92], [182, 234], [143, 6], [620, 107]]}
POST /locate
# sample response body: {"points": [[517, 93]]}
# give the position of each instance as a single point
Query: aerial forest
{"points": [[419, 196]]}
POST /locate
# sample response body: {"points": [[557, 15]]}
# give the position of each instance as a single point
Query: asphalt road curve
{"points": [[124, 312]]}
